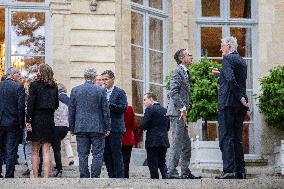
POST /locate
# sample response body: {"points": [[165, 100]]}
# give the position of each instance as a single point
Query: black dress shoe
{"points": [[240, 175], [226, 176], [173, 176], [58, 173], [190, 176]]}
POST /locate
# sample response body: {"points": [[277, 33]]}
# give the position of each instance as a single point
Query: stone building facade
{"points": [[137, 39]]}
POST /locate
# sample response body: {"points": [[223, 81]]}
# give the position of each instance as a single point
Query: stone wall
{"points": [[270, 45], [82, 38]]}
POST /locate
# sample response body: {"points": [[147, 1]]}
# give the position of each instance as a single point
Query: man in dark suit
{"points": [[89, 119], [177, 110], [156, 123], [12, 118], [232, 107], [118, 105]]}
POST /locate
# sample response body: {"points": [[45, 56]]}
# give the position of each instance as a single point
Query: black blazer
{"points": [[232, 81], [156, 123], [117, 106], [12, 103], [41, 97]]}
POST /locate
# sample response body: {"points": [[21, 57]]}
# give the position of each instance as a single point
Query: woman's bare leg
{"points": [[35, 153], [46, 159]]}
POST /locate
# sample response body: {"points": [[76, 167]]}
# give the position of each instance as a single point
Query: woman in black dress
{"points": [[42, 102]]}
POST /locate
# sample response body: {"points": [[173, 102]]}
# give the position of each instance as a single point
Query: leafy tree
{"points": [[27, 24], [271, 101], [203, 93]]}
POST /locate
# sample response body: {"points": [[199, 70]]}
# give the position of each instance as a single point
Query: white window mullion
{"points": [[7, 40], [147, 53]]}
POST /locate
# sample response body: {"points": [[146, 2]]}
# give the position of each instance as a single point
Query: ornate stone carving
{"points": [[93, 5]]}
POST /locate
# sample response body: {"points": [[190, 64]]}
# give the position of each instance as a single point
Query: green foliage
{"points": [[203, 90], [271, 101]]}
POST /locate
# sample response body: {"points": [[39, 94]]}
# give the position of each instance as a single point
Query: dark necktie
{"points": [[188, 76]]}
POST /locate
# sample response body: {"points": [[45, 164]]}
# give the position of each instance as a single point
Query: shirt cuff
{"points": [[243, 99], [182, 109]]}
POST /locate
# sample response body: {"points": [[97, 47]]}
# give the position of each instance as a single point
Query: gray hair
{"points": [[90, 73], [232, 41], [10, 72]]}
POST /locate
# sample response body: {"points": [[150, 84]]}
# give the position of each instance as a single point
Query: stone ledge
{"points": [[65, 183]]}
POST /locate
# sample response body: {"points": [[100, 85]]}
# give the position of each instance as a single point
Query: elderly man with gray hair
{"points": [[232, 107], [12, 118], [89, 120]]}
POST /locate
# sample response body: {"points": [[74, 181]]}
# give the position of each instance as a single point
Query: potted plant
{"points": [[271, 104], [203, 93]]}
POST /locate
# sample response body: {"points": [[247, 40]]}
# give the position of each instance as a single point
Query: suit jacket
{"points": [[130, 125], [156, 123], [12, 103], [41, 97], [179, 91], [88, 109], [232, 81], [117, 106]]}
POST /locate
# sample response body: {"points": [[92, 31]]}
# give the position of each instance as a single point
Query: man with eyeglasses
{"points": [[12, 118], [113, 146], [180, 148]]}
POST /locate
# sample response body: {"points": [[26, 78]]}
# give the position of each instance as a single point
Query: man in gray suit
{"points": [[89, 119], [177, 110]]}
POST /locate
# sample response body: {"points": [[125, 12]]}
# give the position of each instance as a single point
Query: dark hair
{"points": [[178, 55], [109, 73], [45, 75], [151, 95]]}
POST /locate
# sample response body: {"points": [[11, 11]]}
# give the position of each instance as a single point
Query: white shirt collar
{"points": [[111, 89], [184, 68]]}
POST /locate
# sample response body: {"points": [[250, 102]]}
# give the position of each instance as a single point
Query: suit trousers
{"points": [[8, 148], [156, 159], [60, 132], [230, 139], [180, 148], [126, 153], [86, 142], [113, 155]]}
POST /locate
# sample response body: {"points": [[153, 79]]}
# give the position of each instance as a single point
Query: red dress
{"points": [[130, 125]]}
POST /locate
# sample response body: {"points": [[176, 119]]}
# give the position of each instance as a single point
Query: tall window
{"points": [[23, 34], [148, 51], [221, 18]]}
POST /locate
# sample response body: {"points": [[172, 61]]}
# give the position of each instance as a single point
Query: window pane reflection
{"points": [[211, 131], [138, 1], [210, 8], [247, 135], [137, 62], [136, 29], [158, 91], [137, 96], [240, 8], [31, 0], [157, 4], [156, 67], [22, 63], [210, 41], [27, 33], [138, 133], [243, 36], [156, 34], [2, 41]]}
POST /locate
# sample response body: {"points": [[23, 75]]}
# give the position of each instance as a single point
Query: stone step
{"points": [[68, 183]]}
